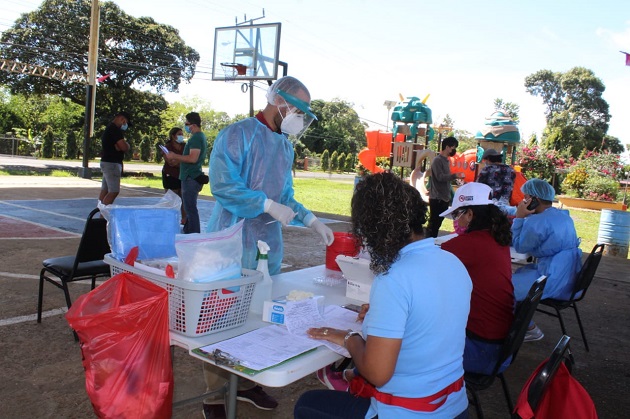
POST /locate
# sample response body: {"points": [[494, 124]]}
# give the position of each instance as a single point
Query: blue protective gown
{"points": [[250, 163], [550, 237]]}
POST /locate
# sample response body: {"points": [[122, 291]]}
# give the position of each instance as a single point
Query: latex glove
{"points": [[324, 231], [280, 212]]}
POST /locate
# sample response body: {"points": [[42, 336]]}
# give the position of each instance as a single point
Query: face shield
{"points": [[298, 119]]}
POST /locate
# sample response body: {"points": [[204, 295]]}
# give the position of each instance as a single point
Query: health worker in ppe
{"points": [[250, 173], [548, 234], [250, 178]]}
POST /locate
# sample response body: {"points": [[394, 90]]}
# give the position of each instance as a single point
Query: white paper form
{"points": [[264, 347], [334, 317]]}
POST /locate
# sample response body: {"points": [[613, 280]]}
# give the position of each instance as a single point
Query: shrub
{"points": [[348, 163], [574, 182], [341, 161], [325, 160], [600, 188]]}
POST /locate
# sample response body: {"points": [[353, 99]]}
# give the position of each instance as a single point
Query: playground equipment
{"points": [[501, 133], [411, 120]]}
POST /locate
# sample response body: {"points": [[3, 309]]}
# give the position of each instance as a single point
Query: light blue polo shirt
{"points": [[423, 299]]}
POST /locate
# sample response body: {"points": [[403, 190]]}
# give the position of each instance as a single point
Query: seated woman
{"points": [[409, 354], [484, 248]]}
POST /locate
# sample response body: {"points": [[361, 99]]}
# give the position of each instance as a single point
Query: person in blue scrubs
{"points": [[549, 235]]}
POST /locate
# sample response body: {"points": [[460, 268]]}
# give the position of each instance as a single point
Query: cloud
{"points": [[620, 40]]}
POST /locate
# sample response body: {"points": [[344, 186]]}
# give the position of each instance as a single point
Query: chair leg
{"points": [[66, 292], [93, 281], [564, 329], [506, 391], [579, 320], [40, 298], [476, 402]]}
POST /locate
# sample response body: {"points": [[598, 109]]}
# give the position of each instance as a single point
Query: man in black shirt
{"points": [[114, 148]]}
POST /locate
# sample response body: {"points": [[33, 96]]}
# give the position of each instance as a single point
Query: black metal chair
{"points": [[541, 381], [524, 313], [582, 282], [86, 264]]}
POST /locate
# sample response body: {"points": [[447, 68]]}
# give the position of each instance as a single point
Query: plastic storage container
{"points": [[198, 309], [344, 244]]}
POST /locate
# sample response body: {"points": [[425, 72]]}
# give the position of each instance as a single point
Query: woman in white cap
{"points": [[484, 248]]}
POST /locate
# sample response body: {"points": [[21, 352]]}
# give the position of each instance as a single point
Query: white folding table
{"points": [[313, 280]]}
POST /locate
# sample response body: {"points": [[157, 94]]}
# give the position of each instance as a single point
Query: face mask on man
{"points": [[124, 127], [187, 128], [292, 124], [180, 139], [452, 153]]}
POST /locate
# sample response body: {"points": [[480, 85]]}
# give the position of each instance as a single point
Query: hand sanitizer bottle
{"points": [[262, 291]]}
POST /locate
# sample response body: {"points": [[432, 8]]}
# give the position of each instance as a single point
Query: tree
{"points": [[334, 161], [508, 108], [133, 51], [577, 114], [72, 146], [325, 160], [349, 163], [338, 127], [146, 147], [341, 162], [48, 143]]}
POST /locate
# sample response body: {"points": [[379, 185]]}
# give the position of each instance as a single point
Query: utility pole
{"points": [[90, 92]]}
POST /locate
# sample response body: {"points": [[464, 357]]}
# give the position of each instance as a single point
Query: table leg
{"points": [[231, 399]]}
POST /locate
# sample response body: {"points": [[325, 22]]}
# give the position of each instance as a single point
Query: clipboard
{"points": [[224, 359], [258, 350]]}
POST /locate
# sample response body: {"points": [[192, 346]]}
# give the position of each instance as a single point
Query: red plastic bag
{"points": [[123, 329]]}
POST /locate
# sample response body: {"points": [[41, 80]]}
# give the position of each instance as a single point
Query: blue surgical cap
{"points": [[538, 188]]}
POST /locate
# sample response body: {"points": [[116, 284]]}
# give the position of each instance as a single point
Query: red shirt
{"points": [[490, 268]]}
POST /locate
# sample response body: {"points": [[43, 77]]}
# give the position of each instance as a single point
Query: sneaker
{"points": [[534, 334], [214, 411], [332, 379], [258, 398]]}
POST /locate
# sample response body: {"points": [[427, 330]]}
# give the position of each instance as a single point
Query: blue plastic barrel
{"points": [[614, 232]]}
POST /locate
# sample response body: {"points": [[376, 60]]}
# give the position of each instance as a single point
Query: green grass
{"points": [[44, 172]]}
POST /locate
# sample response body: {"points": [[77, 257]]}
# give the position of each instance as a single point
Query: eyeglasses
{"points": [[458, 213]]}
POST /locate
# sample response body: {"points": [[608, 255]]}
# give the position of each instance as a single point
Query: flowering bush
{"points": [[594, 176], [538, 163]]}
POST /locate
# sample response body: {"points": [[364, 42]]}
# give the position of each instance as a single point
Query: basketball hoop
{"points": [[233, 70]]}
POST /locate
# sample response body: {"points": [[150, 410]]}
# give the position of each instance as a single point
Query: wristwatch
{"points": [[349, 335]]}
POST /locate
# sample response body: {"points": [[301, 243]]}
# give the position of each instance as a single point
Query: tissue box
{"points": [[358, 276], [274, 311]]}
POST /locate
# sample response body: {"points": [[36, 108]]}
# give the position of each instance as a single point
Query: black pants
{"points": [[436, 207]]}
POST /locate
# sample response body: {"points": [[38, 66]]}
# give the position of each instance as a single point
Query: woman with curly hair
{"points": [[409, 354], [484, 248]]}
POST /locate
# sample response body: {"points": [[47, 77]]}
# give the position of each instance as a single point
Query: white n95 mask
{"points": [[292, 124]]}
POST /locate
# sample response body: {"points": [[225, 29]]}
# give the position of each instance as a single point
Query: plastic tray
{"points": [[198, 309]]}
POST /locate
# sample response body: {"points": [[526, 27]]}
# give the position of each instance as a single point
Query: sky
{"points": [[465, 54]]}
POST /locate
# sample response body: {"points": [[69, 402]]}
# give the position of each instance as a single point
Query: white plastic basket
{"points": [[198, 309]]}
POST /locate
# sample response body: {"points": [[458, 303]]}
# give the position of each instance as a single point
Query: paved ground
{"points": [[41, 363]]}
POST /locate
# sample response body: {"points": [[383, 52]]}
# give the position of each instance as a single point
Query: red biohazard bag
{"points": [[123, 329]]}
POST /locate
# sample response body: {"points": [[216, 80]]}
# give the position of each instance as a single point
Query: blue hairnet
{"points": [[538, 188], [287, 84]]}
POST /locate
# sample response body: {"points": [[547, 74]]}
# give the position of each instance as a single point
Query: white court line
{"points": [[73, 235], [31, 317], [39, 210], [12, 275]]}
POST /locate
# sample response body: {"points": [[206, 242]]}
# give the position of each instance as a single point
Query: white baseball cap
{"points": [[472, 193]]}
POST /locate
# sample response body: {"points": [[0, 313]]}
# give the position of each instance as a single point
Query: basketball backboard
{"points": [[247, 52]]}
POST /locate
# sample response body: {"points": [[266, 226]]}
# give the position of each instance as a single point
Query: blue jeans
{"points": [[331, 404], [481, 357], [190, 192]]}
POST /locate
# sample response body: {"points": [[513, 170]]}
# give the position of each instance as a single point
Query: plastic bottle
{"points": [[262, 292]]}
